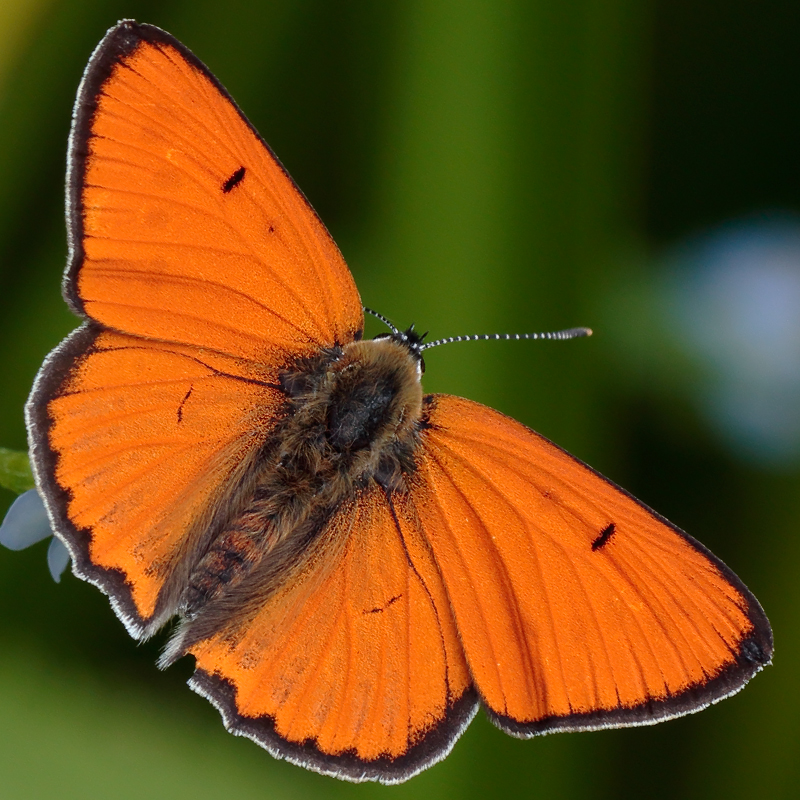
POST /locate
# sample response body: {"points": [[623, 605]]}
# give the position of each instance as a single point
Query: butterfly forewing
{"points": [[577, 606], [136, 444], [184, 225]]}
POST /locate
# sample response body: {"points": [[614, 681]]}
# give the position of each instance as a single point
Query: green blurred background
{"points": [[484, 166]]}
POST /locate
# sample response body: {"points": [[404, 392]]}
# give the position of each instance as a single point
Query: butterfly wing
{"points": [[136, 444], [353, 666], [184, 226], [577, 606], [202, 270]]}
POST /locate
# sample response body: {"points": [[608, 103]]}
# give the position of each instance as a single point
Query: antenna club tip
{"points": [[575, 333]]}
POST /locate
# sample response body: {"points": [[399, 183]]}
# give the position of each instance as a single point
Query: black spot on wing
{"points": [[183, 403], [234, 180], [604, 536], [753, 652], [389, 602]]}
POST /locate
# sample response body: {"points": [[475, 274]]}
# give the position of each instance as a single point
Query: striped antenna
{"points": [[382, 319], [570, 333]]}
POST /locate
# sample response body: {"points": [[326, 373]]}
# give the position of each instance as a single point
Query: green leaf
{"points": [[15, 471]]}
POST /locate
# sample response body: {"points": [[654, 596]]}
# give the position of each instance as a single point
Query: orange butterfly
{"points": [[356, 566]]}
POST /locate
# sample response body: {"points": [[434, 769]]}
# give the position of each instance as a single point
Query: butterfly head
{"points": [[411, 341]]}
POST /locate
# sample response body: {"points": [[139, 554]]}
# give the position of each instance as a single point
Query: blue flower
{"points": [[26, 523]]}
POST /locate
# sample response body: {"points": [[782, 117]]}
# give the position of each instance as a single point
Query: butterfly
{"points": [[356, 566]]}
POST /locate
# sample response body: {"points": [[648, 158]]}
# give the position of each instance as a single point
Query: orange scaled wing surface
{"points": [[353, 667], [184, 226], [577, 606]]}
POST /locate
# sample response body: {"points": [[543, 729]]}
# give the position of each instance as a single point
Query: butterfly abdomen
{"points": [[230, 558]]}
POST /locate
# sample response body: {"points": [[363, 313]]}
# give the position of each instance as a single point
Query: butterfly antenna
{"points": [[570, 333], [382, 319]]}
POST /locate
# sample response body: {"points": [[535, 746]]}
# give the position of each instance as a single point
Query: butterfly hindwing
{"points": [[577, 606], [352, 666]]}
